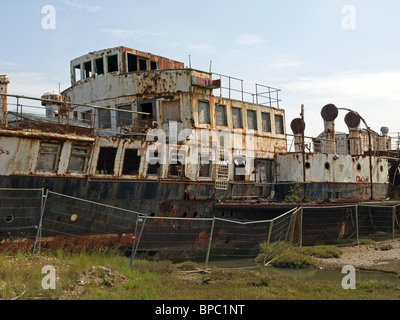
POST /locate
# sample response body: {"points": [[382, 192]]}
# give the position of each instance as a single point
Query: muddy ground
{"points": [[380, 256]]}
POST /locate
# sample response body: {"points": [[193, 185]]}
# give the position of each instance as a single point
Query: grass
{"points": [[282, 255], [107, 276]]}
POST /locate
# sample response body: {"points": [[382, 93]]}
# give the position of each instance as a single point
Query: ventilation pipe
{"points": [[329, 113], [352, 121]]}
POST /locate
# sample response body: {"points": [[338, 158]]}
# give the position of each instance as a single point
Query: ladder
{"points": [[222, 168]]}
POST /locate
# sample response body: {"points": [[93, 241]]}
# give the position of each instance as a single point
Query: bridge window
{"points": [[279, 128], [204, 112], [251, 120], [99, 65], [237, 118], [266, 122], [220, 112], [112, 62]]}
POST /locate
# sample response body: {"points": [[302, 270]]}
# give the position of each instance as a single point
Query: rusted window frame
{"points": [[56, 161], [87, 155], [124, 162]]}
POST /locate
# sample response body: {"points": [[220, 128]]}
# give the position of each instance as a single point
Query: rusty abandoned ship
{"points": [[145, 133]]}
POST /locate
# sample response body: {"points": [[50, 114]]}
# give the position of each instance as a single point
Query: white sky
{"points": [[304, 47]]}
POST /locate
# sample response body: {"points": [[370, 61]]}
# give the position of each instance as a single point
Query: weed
{"points": [[293, 194]]}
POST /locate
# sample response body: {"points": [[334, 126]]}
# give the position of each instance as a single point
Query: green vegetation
{"points": [[108, 276], [294, 194], [283, 255]]}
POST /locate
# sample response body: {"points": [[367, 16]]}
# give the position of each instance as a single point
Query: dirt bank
{"points": [[379, 256]]}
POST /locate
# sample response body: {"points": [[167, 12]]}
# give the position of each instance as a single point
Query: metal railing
{"points": [[233, 88], [68, 117]]}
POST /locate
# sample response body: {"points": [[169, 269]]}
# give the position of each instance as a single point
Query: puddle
{"points": [[310, 274]]}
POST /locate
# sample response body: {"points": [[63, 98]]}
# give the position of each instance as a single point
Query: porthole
{"points": [[9, 218], [74, 217], [308, 165], [327, 166], [359, 167], [381, 168]]}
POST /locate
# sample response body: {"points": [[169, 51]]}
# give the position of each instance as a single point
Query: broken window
{"points": [[237, 118], [154, 163], [204, 112], [171, 110], [251, 120], [87, 116], [106, 160], [239, 163], [124, 118], [104, 118], [87, 69], [147, 107], [48, 157], [279, 128], [99, 65], [266, 122], [131, 162], [79, 159], [77, 72], [205, 165], [153, 65], [112, 62], [143, 65], [220, 112], [177, 164], [132, 62]]}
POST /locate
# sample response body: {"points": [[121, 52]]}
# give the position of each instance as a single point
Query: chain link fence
{"points": [[20, 210], [39, 219]]}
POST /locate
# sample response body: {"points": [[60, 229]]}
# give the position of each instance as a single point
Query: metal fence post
{"points": [[393, 220], [209, 244], [270, 231], [357, 232], [137, 244], [39, 231], [301, 227]]}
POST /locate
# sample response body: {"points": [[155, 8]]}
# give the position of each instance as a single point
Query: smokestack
{"points": [[353, 123], [4, 81], [329, 113]]}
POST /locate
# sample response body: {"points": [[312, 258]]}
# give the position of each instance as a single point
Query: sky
{"points": [[317, 52]]}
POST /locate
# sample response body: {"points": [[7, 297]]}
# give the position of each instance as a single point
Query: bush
{"points": [[324, 252], [293, 259]]}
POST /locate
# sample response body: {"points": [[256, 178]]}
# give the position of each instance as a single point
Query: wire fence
{"points": [[39, 219], [205, 239]]}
